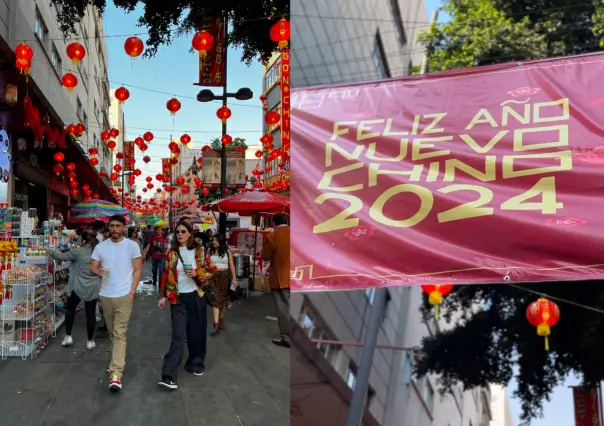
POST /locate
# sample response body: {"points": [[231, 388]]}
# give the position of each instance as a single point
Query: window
{"points": [[379, 58], [55, 59], [79, 108], [40, 28], [370, 293], [399, 29], [408, 368], [272, 75], [351, 376], [311, 325]]}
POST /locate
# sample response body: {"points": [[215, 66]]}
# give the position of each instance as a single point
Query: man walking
{"points": [[118, 260], [155, 245], [276, 251], [147, 235]]}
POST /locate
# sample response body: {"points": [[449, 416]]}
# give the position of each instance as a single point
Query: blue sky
{"points": [[174, 70], [559, 411]]}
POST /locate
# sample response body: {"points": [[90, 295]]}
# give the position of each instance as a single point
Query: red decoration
{"points": [[223, 113], [95, 196], [137, 172], [174, 160], [111, 145], [146, 159], [259, 154], [543, 314], [24, 55], [185, 189], [76, 52], [119, 156], [267, 138], [93, 151], [113, 177], [148, 136], [272, 118], [122, 94], [134, 46], [180, 181], [80, 128], [117, 168], [102, 173], [143, 147], [71, 128], [205, 191], [202, 42], [173, 105], [105, 136], [206, 148], [71, 167], [436, 293], [280, 33], [149, 179], [114, 133], [69, 81], [94, 161], [59, 157], [23, 65], [74, 192], [185, 139], [226, 140], [150, 185]]}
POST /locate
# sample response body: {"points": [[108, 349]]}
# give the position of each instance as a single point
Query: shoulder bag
{"points": [[207, 290]]}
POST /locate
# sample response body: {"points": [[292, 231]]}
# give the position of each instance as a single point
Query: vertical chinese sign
{"points": [[587, 406], [165, 168], [128, 156], [285, 103], [212, 67]]}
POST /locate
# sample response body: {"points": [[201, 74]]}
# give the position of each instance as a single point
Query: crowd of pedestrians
{"points": [[193, 273]]}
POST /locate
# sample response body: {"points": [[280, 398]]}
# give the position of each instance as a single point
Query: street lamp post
{"points": [[206, 95], [124, 174]]}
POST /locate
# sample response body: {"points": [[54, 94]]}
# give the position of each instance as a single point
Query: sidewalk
{"points": [[246, 381]]}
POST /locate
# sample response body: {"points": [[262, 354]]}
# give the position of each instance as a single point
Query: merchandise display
{"points": [[32, 286]]}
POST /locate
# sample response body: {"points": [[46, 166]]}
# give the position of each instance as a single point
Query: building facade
{"points": [[354, 40], [500, 407], [33, 182], [117, 120]]}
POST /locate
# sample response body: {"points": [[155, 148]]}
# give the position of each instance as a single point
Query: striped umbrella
{"points": [[101, 208]]}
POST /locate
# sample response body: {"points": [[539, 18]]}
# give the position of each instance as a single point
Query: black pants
{"points": [[155, 265], [189, 322], [70, 309]]}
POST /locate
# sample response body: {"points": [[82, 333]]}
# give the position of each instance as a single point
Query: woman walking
{"points": [[222, 258], [134, 236], [82, 285], [183, 285]]}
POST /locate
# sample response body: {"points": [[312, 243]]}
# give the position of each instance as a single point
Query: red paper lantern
{"points": [[173, 105], [205, 191], [94, 161], [185, 189], [543, 314], [223, 113], [144, 189], [102, 173], [76, 52], [59, 157], [71, 167], [436, 292], [148, 136], [272, 118], [174, 160], [158, 190], [150, 185], [58, 169], [280, 33], [71, 174], [93, 151], [139, 141], [259, 154], [137, 172], [69, 81], [117, 168], [134, 46], [113, 177], [24, 55], [74, 192], [202, 42], [185, 139], [122, 94], [80, 128], [268, 168], [105, 136], [149, 179], [226, 140], [111, 145], [267, 138], [85, 187], [206, 148], [114, 133], [23, 65], [95, 196], [180, 181], [119, 156], [146, 159], [71, 129], [143, 147]]}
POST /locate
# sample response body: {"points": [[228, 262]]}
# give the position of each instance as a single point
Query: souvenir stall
{"points": [[30, 283]]}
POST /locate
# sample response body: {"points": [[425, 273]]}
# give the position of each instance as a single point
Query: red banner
{"points": [[487, 175], [587, 406], [212, 67], [285, 103], [166, 163], [128, 156]]}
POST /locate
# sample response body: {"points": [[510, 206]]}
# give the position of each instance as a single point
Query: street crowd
{"points": [[191, 270]]}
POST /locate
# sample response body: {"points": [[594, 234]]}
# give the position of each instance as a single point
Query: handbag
{"points": [[207, 290]]}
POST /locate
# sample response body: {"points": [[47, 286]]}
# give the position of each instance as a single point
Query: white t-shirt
{"points": [[185, 282], [117, 259]]}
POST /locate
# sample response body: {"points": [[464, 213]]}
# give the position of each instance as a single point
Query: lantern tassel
{"points": [[436, 312], [546, 344]]}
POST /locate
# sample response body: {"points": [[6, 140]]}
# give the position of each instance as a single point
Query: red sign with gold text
{"points": [[212, 68], [128, 156], [166, 163], [587, 406], [285, 103], [477, 176]]}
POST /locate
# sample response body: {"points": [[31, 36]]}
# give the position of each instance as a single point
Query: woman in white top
{"points": [[222, 258]]}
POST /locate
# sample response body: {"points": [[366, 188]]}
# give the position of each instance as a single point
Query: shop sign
{"points": [[587, 406], [283, 176], [212, 67], [128, 155], [235, 169], [285, 101]]}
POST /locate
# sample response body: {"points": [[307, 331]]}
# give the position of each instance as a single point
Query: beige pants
{"points": [[117, 311]]}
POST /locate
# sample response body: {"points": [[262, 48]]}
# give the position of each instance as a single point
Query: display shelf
{"points": [[16, 348], [59, 323], [15, 313]]}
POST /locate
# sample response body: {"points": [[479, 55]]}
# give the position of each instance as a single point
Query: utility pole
{"points": [[223, 153], [170, 213]]}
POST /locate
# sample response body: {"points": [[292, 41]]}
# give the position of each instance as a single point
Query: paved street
{"points": [[246, 381]]}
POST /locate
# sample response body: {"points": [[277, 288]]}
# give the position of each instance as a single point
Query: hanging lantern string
{"points": [[558, 299]]}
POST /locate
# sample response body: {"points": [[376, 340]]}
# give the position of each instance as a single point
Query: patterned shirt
{"points": [[168, 244]]}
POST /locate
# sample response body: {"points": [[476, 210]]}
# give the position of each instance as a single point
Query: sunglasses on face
{"points": [[181, 232]]}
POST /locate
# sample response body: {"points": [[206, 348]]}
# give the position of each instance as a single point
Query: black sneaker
{"points": [[280, 341], [168, 383]]}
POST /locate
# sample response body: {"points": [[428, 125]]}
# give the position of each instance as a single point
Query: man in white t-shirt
{"points": [[118, 260]]}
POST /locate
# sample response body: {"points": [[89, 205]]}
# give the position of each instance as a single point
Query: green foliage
{"points": [[250, 23], [484, 32], [237, 143], [497, 342]]}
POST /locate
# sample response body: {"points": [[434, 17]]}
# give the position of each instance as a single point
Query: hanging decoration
{"points": [[203, 42], [122, 94], [173, 106], [70, 166], [223, 113], [280, 33], [24, 55], [105, 136], [146, 159], [435, 294], [111, 145], [272, 117], [206, 148], [543, 314], [59, 157], [148, 136], [134, 46], [226, 140], [185, 139], [76, 52], [114, 133], [70, 81]]}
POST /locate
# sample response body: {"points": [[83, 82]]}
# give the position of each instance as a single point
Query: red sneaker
{"points": [[115, 384]]}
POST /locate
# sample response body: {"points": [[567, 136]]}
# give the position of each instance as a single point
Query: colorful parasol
{"points": [[101, 208], [251, 202]]}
